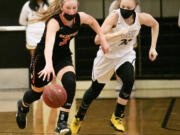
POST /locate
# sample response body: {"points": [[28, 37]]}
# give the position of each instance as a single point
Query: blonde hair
{"points": [[137, 2], [114, 5], [54, 8]]}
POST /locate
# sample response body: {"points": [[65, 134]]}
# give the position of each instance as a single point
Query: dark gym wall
{"points": [[9, 12], [13, 53]]}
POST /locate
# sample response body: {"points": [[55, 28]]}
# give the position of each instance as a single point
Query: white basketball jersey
{"points": [[123, 45]]}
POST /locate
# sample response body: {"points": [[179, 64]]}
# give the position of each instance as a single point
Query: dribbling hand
{"points": [[46, 72]]}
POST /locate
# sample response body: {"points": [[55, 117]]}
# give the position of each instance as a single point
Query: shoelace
{"points": [[63, 124], [119, 120], [77, 121]]}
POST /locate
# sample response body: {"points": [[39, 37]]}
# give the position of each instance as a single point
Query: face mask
{"points": [[126, 13], [69, 17]]}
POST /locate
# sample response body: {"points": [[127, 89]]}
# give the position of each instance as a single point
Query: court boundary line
{"points": [[167, 116]]}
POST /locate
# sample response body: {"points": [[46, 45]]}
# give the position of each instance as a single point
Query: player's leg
{"points": [[66, 73], [103, 70], [32, 94], [31, 49], [32, 52], [23, 106], [118, 86], [90, 94], [126, 73]]}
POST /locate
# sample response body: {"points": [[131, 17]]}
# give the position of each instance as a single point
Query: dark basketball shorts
{"points": [[38, 64]]}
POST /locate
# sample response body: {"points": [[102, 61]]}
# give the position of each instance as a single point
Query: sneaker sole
{"points": [[65, 132], [18, 124], [115, 127], [16, 119], [77, 131]]}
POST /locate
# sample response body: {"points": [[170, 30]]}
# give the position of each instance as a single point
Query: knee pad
{"points": [[31, 96], [127, 87], [126, 73], [124, 95], [69, 83], [93, 92]]}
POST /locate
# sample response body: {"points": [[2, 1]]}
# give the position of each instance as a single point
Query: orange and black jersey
{"points": [[63, 37]]}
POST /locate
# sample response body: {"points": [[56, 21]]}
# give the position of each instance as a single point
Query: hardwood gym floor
{"points": [[153, 116]]}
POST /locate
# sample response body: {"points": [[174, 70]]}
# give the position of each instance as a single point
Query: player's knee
{"points": [[31, 96], [128, 82], [124, 94], [126, 89], [69, 78], [69, 83]]}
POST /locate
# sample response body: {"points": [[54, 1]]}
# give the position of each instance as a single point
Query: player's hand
{"points": [[46, 72], [121, 32], [153, 54]]}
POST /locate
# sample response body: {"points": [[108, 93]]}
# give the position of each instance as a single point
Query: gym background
{"points": [[162, 74]]}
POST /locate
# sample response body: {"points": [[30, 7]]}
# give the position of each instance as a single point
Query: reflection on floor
{"points": [[143, 117]]}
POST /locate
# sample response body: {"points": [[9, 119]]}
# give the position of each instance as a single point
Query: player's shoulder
{"points": [[115, 12], [113, 15], [56, 17], [26, 4], [143, 14], [82, 14], [26, 7]]}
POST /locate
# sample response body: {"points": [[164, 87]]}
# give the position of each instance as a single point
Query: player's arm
{"points": [[148, 20], [109, 23], [52, 28], [89, 20], [23, 18]]}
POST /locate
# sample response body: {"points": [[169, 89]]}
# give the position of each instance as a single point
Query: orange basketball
{"points": [[54, 95]]}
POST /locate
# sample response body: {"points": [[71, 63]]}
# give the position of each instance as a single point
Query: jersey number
{"points": [[64, 41], [125, 41]]}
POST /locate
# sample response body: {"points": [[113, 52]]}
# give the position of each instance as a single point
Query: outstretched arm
{"points": [[148, 20], [52, 28], [89, 20]]}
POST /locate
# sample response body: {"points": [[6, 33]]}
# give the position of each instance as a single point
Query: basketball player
{"points": [[115, 5], [53, 57], [34, 31], [120, 59]]}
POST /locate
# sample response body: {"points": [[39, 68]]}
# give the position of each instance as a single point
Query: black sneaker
{"points": [[63, 129], [21, 115]]}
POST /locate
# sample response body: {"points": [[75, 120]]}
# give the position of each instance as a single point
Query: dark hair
{"points": [[34, 5]]}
